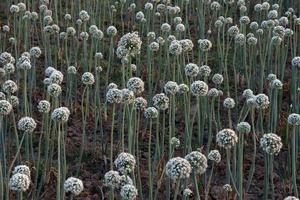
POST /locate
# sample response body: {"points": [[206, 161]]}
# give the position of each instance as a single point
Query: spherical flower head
{"points": [[199, 88], [73, 185], [276, 84], [254, 25], [187, 192], [161, 101], [19, 182], [204, 70], [49, 70], [248, 93], [218, 24], [288, 32], [128, 192], [84, 16], [5, 107], [271, 143], [178, 168], [139, 16], [125, 163], [54, 90], [165, 27], [14, 9], [129, 45], [24, 63], [294, 119], [226, 138], [227, 188], [252, 41], [127, 96], [133, 67], [215, 6], [229, 103], [112, 179], [68, 17], [183, 88], [83, 36], [61, 114], [214, 155], [240, 39], [26, 124], [5, 58], [276, 40], [9, 68], [265, 6], [124, 180], [35, 52], [112, 86], [278, 31], [154, 46], [180, 28], [175, 48], [148, 6], [56, 77], [111, 31], [284, 21], [9, 87], [213, 92], [175, 142], [177, 20], [187, 45], [204, 45], [191, 70], [261, 101], [171, 88], [70, 31], [243, 127], [5, 29], [171, 38], [114, 96], [88, 78], [198, 161], [136, 85], [72, 70], [44, 106], [296, 62], [22, 169], [272, 14], [291, 198], [140, 103], [244, 20], [233, 31], [217, 79], [151, 113]]}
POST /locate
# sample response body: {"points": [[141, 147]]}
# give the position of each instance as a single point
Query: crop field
{"points": [[149, 99]]}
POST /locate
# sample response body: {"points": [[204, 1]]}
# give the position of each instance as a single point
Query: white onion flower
{"points": [[73, 185]]}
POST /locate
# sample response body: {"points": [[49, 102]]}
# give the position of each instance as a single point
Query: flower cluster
{"points": [[19, 182], [178, 168], [60, 114], [73, 185], [271, 143], [214, 155], [129, 45], [26, 124], [199, 88], [125, 163], [226, 138], [198, 161], [161, 101]]}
